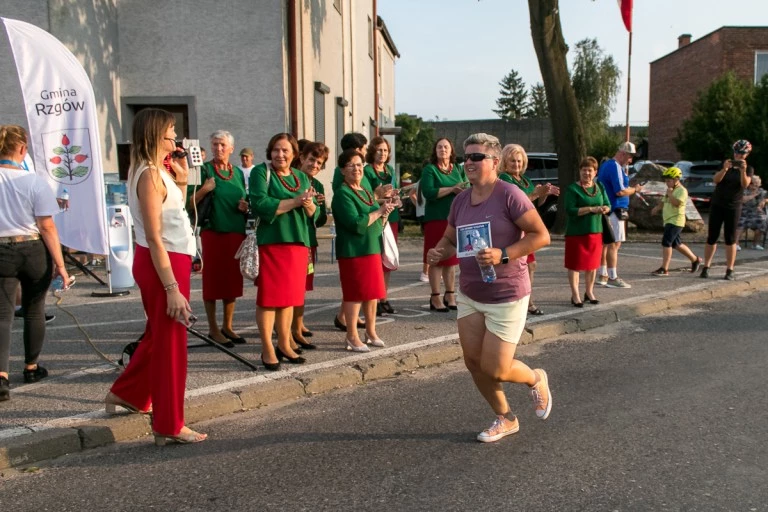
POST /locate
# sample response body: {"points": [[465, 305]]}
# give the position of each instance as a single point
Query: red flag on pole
{"points": [[626, 13]]}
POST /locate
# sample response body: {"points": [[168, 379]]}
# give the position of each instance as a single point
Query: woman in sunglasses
{"points": [[514, 162], [491, 315], [441, 181]]}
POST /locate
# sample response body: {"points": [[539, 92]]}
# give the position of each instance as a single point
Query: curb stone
{"points": [[47, 444]]}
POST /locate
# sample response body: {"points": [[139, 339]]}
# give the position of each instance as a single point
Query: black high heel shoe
{"points": [[293, 360], [591, 301], [577, 304], [340, 326], [303, 344], [432, 307], [273, 367], [445, 301]]}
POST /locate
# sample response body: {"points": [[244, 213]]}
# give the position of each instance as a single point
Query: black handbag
{"points": [[608, 236], [204, 210]]}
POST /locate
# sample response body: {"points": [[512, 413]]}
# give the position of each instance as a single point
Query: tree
{"points": [[720, 116], [551, 51], [414, 144], [596, 86], [513, 102], [537, 103]]}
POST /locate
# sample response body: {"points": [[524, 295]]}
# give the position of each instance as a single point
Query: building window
{"points": [[320, 91], [337, 5], [341, 104], [761, 65], [370, 37]]}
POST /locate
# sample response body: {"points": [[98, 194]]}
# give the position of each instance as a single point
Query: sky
{"points": [[454, 53]]}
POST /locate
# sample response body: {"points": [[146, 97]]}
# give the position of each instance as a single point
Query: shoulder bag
{"points": [[248, 253]]}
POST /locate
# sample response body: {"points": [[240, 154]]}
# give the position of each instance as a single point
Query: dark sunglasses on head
{"points": [[476, 157]]}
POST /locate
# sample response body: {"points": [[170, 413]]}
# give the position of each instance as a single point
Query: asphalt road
{"points": [[666, 412]]}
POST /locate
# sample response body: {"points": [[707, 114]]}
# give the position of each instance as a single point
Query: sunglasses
{"points": [[477, 157]]}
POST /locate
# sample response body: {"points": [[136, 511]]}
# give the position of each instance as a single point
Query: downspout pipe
{"points": [[375, 26], [293, 69]]}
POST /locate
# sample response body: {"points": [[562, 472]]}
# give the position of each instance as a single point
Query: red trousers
{"points": [[157, 372]]}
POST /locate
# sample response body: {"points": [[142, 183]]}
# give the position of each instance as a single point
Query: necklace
{"points": [[285, 183], [11, 162], [448, 171], [384, 175], [367, 200], [227, 166], [522, 183], [594, 190]]}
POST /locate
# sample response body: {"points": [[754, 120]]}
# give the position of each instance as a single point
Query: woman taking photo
{"points": [[222, 235], [585, 203], [312, 161], [157, 374], [491, 315], [379, 173], [514, 162], [30, 253], [441, 180], [359, 221], [282, 199], [725, 209]]}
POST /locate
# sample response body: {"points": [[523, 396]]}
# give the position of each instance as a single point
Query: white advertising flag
{"points": [[63, 132]]}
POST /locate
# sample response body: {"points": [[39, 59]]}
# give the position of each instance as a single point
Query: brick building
{"points": [[677, 78]]}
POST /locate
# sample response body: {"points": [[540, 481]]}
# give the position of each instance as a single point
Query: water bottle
{"points": [[57, 284], [64, 197], [487, 272]]}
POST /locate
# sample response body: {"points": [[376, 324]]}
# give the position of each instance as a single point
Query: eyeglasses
{"points": [[477, 157]]}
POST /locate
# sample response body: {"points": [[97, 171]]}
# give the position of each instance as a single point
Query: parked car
{"points": [[542, 168], [697, 178]]}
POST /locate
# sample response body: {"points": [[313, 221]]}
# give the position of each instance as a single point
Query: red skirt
{"points": [[282, 275], [583, 252], [310, 284], [433, 232], [394, 226], [221, 271], [362, 278]]}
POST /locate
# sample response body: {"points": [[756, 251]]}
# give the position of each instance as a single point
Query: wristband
{"points": [[181, 182], [171, 286]]}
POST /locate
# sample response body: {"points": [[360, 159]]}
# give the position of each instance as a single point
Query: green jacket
{"points": [[289, 227]]}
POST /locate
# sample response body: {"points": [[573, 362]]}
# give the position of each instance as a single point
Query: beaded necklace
{"points": [[285, 183], [384, 175], [595, 189], [226, 166], [446, 172], [368, 200]]}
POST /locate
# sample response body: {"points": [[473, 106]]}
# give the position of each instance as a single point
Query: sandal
{"points": [[453, 307], [432, 307], [534, 310]]}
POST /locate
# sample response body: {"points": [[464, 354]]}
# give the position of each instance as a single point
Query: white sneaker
{"points": [[424, 278], [759, 248], [602, 280], [738, 247]]}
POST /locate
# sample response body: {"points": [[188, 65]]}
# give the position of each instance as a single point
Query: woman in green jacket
{"points": [[359, 220], [585, 203], [379, 173], [311, 160], [441, 181], [282, 199]]}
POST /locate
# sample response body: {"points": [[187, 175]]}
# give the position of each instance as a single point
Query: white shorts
{"points": [[619, 229], [505, 320]]}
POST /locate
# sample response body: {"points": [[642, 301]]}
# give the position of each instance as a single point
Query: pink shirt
{"points": [[502, 208]]}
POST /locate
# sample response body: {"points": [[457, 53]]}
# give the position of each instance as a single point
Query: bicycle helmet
{"points": [[673, 173], [742, 147]]}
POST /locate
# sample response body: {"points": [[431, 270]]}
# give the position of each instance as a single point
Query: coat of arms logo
{"points": [[67, 155]]}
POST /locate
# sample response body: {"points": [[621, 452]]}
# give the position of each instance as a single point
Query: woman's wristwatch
{"points": [[504, 257]]}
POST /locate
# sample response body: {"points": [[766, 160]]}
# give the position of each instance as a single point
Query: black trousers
{"points": [[28, 264]]}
